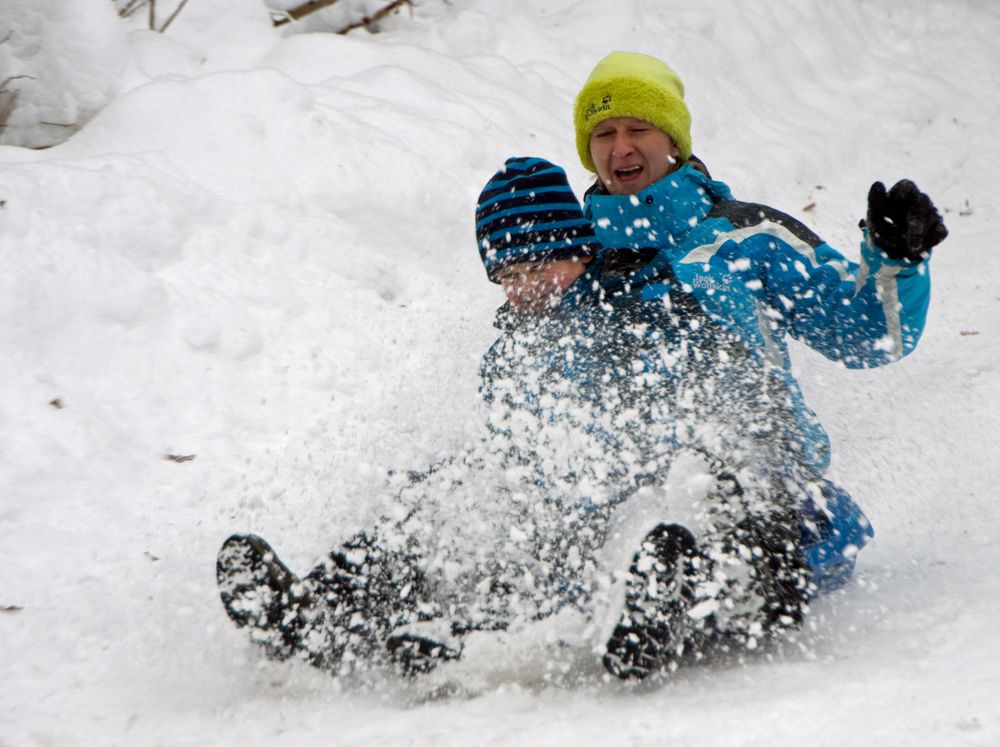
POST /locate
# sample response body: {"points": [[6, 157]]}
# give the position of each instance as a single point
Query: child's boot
{"points": [[651, 632]]}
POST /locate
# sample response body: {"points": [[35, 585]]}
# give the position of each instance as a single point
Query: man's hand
{"points": [[904, 223]]}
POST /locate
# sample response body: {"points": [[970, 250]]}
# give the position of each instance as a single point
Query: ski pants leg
{"points": [[833, 530]]}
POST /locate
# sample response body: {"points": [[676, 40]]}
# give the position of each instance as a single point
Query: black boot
{"points": [[414, 654], [780, 586], [651, 633], [259, 592], [379, 608], [344, 615]]}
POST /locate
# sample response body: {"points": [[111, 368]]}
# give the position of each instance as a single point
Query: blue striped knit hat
{"points": [[528, 213]]}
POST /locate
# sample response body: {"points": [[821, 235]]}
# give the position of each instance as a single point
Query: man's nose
{"points": [[622, 145]]}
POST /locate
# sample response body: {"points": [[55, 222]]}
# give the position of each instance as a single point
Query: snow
{"points": [[257, 251]]}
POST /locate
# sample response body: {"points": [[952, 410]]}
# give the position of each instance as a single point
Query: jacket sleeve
{"points": [[863, 314]]}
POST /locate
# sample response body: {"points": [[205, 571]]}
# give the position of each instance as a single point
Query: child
{"points": [[361, 604], [628, 356]]}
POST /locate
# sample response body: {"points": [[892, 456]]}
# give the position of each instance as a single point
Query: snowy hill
{"points": [[247, 288]]}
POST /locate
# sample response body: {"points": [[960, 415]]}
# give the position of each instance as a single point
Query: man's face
{"points": [[630, 154], [536, 286]]}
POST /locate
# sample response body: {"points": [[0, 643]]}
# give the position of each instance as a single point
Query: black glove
{"points": [[904, 223]]}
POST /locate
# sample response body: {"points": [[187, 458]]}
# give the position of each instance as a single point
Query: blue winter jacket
{"points": [[764, 276]]}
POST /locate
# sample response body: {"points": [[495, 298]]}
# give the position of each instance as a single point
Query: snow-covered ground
{"points": [[248, 287]]}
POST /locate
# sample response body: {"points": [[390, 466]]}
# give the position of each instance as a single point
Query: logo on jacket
{"points": [[605, 106], [707, 282]]}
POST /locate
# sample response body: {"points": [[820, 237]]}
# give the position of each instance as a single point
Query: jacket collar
{"points": [[662, 214]]}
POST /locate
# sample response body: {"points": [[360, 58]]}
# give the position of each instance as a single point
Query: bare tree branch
{"points": [[7, 106], [3, 85], [173, 15], [281, 17], [368, 20], [131, 7]]}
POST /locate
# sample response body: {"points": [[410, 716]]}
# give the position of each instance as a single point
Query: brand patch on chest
{"points": [[708, 282]]}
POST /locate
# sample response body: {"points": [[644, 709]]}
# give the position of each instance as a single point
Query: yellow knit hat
{"points": [[627, 84]]}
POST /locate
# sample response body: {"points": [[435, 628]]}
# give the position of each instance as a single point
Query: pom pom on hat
{"points": [[528, 213], [628, 84]]}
